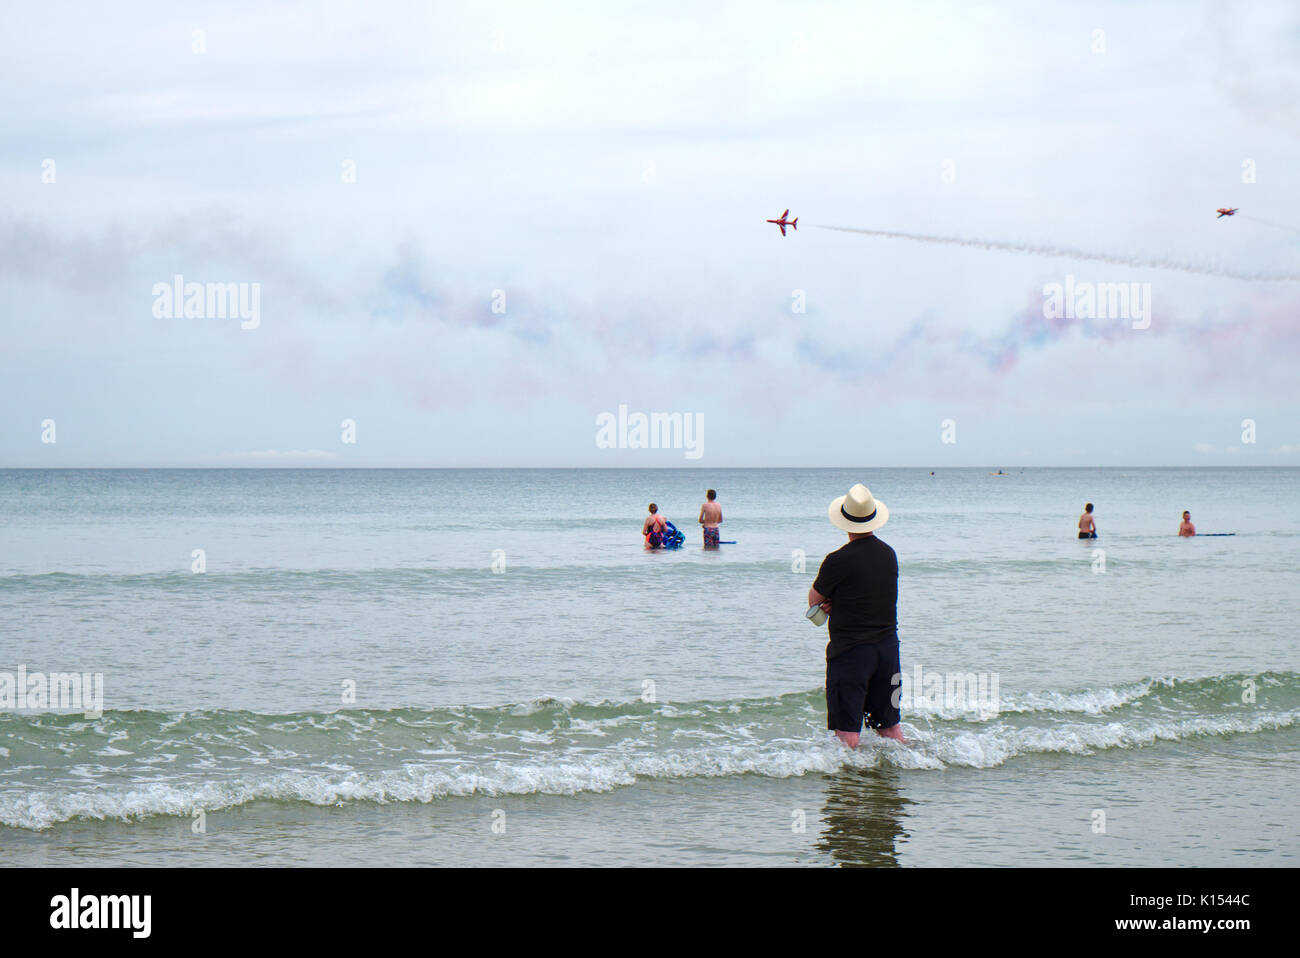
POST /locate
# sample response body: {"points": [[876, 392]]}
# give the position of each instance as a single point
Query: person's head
{"points": [[1186, 515], [711, 495], [1088, 507], [858, 513], [653, 508]]}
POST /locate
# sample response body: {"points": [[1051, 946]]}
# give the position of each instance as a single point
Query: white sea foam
{"points": [[583, 770]]}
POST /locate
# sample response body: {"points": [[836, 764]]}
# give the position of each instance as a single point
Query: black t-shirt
{"points": [[861, 581]]}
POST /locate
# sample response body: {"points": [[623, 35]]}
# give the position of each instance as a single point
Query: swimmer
{"points": [[710, 519], [654, 528], [1087, 528]]}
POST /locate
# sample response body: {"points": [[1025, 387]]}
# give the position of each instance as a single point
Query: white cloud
{"points": [[524, 170]]}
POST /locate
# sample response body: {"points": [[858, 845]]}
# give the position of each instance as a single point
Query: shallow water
{"points": [[600, 704]]}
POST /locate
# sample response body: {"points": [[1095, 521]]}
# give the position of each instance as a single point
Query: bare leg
{"points": [[894, 732], [849, 738]]}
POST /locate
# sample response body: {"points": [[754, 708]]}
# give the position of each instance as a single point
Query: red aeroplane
{"points": [[1222, 212], [783, 222]]}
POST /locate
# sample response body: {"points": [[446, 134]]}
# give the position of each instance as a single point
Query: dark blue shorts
{"points": [[860, 686]]}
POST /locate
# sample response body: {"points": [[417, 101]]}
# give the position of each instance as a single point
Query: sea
{"points": [[487, 668]]}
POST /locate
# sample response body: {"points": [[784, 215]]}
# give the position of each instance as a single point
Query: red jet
{"points": [[783, 222], [1222, 212]]}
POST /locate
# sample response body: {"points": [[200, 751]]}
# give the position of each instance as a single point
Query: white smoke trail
{"points": [[1276, 226], [1064, 252]]}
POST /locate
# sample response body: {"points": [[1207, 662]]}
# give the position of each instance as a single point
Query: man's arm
{"points": [[827, 577], [701, 519], [816, 598]]}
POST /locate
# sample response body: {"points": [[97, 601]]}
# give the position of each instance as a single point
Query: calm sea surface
{"points": [[485, 667]]}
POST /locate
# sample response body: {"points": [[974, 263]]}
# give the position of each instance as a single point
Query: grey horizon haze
{"points": [[473, 231]]}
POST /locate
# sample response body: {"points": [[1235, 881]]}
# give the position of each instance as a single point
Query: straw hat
{"points": [[859, 511]]}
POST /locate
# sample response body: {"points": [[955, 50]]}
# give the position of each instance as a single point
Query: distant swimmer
{"points": [[1187, 529], [1087, 528], [654, 528], [710, 519], [861, 580]]}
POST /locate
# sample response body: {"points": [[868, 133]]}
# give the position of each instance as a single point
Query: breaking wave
{"points": [[134, 764]]}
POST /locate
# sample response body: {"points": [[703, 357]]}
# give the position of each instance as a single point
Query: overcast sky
{"points": [[608, 167]]}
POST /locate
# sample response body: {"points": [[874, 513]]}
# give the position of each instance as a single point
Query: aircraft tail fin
{"points": [[795, 224]]}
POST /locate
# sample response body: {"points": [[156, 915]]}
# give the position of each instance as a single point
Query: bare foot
{"points": [[849, 738], [894, 732]]}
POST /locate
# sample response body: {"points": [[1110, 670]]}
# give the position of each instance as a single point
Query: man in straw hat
{"points": [[860, 579]]}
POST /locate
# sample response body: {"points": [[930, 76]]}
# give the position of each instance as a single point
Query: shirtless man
{"points": [[1187, 529], [654, 527], [1087, 528], [710, 517]]}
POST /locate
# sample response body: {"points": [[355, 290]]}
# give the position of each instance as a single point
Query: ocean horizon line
{"points": [[677, 468]]}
